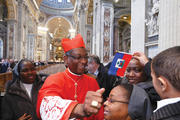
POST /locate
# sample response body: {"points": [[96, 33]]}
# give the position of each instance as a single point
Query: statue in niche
{"points": [[107, 21], [83, 7], [3, 10], [106, 54], [107, 18], [106, 35], [152, 23]]}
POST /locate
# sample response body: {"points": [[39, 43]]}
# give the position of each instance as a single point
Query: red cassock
{"points": [[56, 98]]}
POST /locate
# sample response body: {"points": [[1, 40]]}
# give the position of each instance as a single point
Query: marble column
{"points": [[138, 36], [3, 37], [96, 27], [107, 31], [48, 40], [11, 29], [20, 29], [82, 19], [89, 31], [116, 37], [169, 24], [103, 30], [30, 46]]}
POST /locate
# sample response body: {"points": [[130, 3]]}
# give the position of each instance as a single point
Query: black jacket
{"points": [[16, 101], [148, 86], [168, 112], [105, 80], [139, 107]]}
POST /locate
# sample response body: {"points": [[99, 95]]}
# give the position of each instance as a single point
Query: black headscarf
{"points": [[16, 73], [139, 107]]}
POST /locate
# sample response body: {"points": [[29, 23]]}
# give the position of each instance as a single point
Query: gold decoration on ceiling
{"points": [[59, 27]]}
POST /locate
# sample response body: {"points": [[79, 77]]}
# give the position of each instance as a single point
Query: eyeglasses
{"points": [[113, 101], [79, 57]]}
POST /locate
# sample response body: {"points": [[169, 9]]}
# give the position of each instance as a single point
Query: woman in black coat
{"points": [[19, 102], [138, 72]]}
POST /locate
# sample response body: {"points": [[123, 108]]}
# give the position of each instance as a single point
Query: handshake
{"points": [[93, 102]]}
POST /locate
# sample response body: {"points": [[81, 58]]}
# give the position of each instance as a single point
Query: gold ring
{"points": [[94, 103]]}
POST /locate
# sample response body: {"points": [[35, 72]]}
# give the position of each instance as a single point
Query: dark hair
{"points": [[145, 76], [127, 87], [21, 62], [16, 72], [167, 64], [94, 58]]}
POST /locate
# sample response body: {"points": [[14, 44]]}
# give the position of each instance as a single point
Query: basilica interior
{"points": [[33, 29]]}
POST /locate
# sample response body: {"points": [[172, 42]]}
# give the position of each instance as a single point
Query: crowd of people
{"points": [[7, 65], [19, 102], [150, 89]]}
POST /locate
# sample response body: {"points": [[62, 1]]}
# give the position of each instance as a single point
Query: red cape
{"points": [[60, 84]]}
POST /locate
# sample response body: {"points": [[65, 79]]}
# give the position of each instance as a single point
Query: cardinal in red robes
{"points": [[71, 94]]}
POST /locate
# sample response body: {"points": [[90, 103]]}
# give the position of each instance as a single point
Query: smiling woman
{"points": [[116, 106], [138, 73], [20, 99], [127, 102]]}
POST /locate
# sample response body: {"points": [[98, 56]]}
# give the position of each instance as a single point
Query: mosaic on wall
{"points": [[11, 37], [57, 4], [106, 35]]}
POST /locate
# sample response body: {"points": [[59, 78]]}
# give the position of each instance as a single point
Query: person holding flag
{"points": [[138, 72], [135, 69]]}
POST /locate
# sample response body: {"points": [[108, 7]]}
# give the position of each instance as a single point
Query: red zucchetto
{"points": [[69, 44]]}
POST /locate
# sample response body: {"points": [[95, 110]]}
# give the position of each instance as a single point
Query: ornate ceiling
{"points": [[57, 7], [39, 1], [57, 4], [59, 27]]}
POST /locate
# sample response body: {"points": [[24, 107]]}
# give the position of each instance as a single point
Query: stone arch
{"points": [[11, 9], [59, 26], [59, 17]]}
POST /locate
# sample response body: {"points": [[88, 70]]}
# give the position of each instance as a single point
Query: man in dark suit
{"points": [[104, 80]]}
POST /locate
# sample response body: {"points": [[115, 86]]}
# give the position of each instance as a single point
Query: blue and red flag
{"points": [[119, 64]]}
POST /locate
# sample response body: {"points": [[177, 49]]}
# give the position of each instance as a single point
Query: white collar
{"points": [[165, 102], [28, 88], [96, 72], [73, 73]]}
